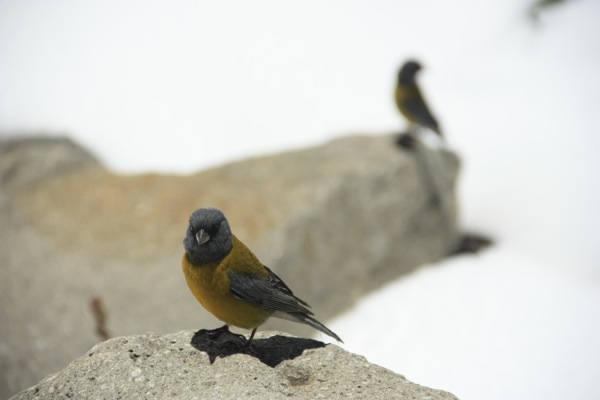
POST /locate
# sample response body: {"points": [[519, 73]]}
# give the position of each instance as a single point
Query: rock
{"points": [[150, 366], [25, 161], [33, 159], [334, 221]]}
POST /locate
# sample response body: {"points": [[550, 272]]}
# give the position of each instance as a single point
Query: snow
{"points": [[189, 85], [500, 325]]}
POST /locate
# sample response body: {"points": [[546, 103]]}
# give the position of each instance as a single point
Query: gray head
{"points": [[208, 236], [407, 73]]}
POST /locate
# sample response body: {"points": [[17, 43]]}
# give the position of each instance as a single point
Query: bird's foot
{"points": [[406, 141]]}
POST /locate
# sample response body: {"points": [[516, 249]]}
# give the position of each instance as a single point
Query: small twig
{"points": [[99, 313]]}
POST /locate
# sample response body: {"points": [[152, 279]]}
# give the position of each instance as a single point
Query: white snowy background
{"points": [[179, 86]]}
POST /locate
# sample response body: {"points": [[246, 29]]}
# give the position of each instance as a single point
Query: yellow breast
{"points": [[210, 285]]}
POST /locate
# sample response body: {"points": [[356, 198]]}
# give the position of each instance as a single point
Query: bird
{"points": [[231, 283], [410, 101]]}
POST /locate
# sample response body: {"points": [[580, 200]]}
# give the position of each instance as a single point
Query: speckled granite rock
{"points": [[150, 366]]}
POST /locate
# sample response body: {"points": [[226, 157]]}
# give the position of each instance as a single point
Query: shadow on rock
{"points": [[271, 351]]}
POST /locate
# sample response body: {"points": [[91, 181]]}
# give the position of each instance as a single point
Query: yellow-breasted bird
{"points": [[230, 281], [409, 99]]}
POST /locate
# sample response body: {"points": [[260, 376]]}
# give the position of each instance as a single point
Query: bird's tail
{"points": [[308, 320]]}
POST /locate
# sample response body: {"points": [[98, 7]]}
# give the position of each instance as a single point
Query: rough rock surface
{"points": [[334, 221], [150, 366]]}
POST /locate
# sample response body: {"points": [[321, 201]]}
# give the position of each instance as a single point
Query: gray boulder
{"points": [[176, 365]]}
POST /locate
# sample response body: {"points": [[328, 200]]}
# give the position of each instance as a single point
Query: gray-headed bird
{"points": [[409, 99], [231, 283]]}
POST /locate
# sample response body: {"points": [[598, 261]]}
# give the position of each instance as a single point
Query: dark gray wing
{"points": [[269, 292], [415, 106]]}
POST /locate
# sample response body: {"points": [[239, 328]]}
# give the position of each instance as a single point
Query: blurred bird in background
{"points": [[412, 106], [410, 101]]}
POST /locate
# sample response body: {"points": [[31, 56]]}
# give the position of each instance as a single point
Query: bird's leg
{"points": [[409, 137], [249, 342]]}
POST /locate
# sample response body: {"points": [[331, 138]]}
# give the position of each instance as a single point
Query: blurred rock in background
{"points": [[334, 221]]}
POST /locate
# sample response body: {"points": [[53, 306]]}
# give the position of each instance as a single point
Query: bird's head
{"points": [[406, 75], [208, 236]]}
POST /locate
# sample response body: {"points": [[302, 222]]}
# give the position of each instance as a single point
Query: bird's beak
{"points": [[202, 237]]}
